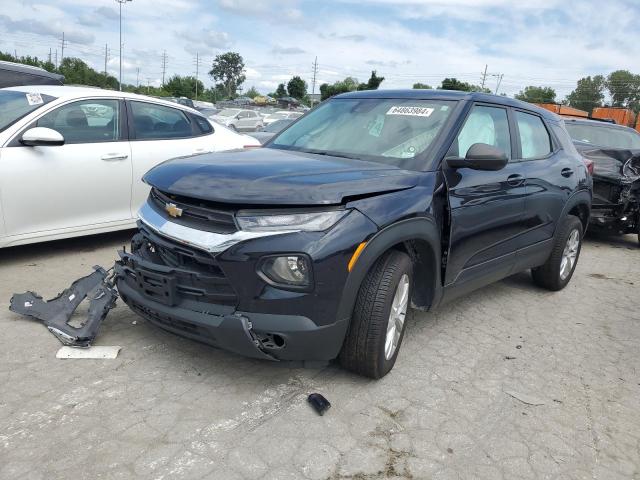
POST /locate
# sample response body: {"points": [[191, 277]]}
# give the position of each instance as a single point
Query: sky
{"points": [[542, 42]]}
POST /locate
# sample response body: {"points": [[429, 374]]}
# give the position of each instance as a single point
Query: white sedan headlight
{"points": [[306, 222]]}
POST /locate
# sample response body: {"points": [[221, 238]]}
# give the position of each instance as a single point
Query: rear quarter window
{"points": [[202, 124], [534, 137]]}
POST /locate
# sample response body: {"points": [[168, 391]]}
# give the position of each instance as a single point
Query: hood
{"points": [[268, 176]]}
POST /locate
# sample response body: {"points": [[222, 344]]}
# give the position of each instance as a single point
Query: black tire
{"points": [[548, 275], [363, 351]]}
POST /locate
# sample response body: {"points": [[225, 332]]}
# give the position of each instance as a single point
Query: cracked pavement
{"points": [[508, 382]]}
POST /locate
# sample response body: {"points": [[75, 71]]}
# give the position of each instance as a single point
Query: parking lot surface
{"points": [[510, 382]]}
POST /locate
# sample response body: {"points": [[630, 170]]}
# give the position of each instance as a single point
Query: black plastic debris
{"points": [[319, 403], [97, 287]]}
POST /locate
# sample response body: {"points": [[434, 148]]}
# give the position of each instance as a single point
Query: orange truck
{"points": [[622, 116]]}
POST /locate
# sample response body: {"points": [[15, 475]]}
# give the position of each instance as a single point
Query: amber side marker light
{"points": [[356, 254]]}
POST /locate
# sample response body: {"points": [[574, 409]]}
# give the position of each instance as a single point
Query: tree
{"points": [[281, 91], [373, 83], [589, 93], [252, 93], [418, 86], [297, 88], [228, 69], [624, 88], [455, 84], [178, 86], [534, 94], [349, 84]]}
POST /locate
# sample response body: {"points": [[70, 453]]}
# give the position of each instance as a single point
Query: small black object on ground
{"points": [[319, 403]]}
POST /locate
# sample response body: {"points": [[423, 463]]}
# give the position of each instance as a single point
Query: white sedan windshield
{"points": [[14, 105]]}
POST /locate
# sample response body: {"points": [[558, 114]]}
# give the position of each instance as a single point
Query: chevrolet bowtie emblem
{"points": [[173, 210]]}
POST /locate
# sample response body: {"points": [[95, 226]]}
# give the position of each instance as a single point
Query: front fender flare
{"points": [[423, 229]]}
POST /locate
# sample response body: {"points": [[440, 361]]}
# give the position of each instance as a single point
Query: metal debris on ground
{"points": [[94, 352], [319, 403]]}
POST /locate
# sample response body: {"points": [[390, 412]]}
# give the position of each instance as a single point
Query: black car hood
{"points": [[277, 177]]}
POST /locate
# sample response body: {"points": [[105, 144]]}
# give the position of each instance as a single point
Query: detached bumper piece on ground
{"points": [[57, 312]]}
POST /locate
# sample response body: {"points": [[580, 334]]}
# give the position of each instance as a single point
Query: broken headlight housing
{"points": [[294, 222]]}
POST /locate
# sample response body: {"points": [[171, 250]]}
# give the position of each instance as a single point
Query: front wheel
{"points": [[558, 270], [378, 321]]}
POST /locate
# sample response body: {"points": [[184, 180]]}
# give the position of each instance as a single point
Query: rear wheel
{"points": [[556, 273], [378, 321]]}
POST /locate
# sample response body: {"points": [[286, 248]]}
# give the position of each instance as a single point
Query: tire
{"points": [[364, 350], [552, 275]]}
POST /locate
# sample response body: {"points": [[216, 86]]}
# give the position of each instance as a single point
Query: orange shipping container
{"points": [[564, 110], [622, 116]]}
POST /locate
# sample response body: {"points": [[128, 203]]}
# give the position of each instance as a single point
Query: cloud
{"points": [[277, 50], [270, 10], [352, 38], [49, 29], [108, 13], [204, 40]]}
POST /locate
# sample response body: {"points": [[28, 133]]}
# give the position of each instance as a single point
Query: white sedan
{"points": [[282, 115], [72, 158]]}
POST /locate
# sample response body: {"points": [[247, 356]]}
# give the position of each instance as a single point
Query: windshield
{"points": [[604, 136], [278, 116], [390, 131], [14, 105], [277, 126], [228, 112]]}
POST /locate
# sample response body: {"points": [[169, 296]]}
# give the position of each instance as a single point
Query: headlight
{"points": [[288, 270], [306, 222]]}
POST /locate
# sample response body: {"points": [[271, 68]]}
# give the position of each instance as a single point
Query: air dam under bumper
{"points": [[255, 335]]}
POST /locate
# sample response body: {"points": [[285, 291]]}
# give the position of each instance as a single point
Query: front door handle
{"points": [[114, 156], [566, 172], [515, 180]]}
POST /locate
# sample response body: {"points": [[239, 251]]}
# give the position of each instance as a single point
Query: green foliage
{"points": [[228, 69], [624, 88], [281, 91], [423, 86], [589, 93], [76, 72], [533, 94], [178, 86], [349, 84], [297, 88], [252, 93], [455, 84], [373, 83]]}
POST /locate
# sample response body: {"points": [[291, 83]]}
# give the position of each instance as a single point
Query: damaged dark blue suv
{"points": [[314, 247]]}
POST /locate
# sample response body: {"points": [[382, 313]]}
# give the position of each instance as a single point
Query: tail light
{"points": [[252, 146], [589, 164]]}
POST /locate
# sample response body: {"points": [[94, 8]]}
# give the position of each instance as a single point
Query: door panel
{"points": [[486, 207], [85, 182]]}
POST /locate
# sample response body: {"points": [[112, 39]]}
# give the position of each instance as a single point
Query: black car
{"points": [[315, 246], [614, 151], [13, 74]]}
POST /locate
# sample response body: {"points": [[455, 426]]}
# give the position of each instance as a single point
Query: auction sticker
{"points": [[411, 111], [34, 98]]}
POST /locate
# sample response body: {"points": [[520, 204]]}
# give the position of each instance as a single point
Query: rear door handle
{"points": [[515, 180], [114, 156], [566, 172]]}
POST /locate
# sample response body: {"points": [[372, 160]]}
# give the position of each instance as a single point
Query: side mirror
{"points": [[480, 156], [42, 137]]}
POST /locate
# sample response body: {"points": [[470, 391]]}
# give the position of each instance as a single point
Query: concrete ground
{"points": [[511, 382]]}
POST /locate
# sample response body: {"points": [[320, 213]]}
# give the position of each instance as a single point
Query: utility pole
{"points": [[499, 81], [106, 58], [62, 43], [313, 84], [484, 76], [197, 72], [120, 2], [164, 65], [148, 80], [49, 54], [137, 77], [56, 58]]}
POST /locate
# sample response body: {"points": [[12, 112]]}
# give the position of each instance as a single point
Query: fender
{"points": [[580, 198], [413, 235]]}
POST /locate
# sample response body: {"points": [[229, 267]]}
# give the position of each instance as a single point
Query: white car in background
{"points": [[282, 115], [72, 158], [239, 119]]}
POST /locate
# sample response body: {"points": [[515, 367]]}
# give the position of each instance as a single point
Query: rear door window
{"points": [[159, 122], [85, 121], [535, 141]]}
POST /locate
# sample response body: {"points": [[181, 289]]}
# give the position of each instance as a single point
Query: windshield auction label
{"points": [[34, 98], [411, 111]]}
